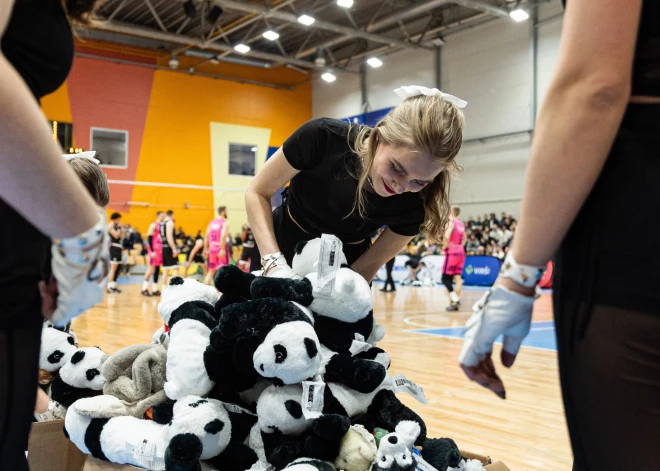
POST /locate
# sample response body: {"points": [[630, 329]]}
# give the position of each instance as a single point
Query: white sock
{"points": [[145, 285], [454, 297], [112, 284], [154, 286]]}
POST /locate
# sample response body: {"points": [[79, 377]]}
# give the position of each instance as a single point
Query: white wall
{"points": [[489, 66]]}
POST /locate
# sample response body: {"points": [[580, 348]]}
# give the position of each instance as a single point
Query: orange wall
{"points": [[175, 144]]}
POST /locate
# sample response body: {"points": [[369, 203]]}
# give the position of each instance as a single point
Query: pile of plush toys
{"points": [[274, 373]]}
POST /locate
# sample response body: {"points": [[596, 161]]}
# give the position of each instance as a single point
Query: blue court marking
{"points": [[541, 335]]}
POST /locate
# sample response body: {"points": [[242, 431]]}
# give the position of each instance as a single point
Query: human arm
{"points": [[388, 244], [26, 145], [169, 233], [115, 232], [223, 238], [575, 129], [272, 176]]}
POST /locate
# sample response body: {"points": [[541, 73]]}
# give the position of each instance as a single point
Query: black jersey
{"points": [[162, 228], [113, 239]]}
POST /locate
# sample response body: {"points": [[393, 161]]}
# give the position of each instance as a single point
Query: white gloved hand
{"points": [[80, 266], [500, 312], [275, 266]]}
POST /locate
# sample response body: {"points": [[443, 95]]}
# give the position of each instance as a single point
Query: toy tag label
{"points": [[237, 409], [146, 455], [312, 399], [403, 384], [359, 346], [422, 465], [329, 263]]}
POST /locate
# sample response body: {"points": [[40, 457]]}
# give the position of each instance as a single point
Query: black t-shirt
{"points": [[322, 195], [39, 44]]}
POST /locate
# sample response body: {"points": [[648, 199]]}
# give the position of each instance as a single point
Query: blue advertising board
{"points": [[481, 270]]}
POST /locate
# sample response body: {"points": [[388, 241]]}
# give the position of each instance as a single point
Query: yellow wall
{"points": [[176, 146]]}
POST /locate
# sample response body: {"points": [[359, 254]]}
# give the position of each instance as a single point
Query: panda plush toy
{"points": [[57, 347], [308, 464], [200, 429], [187, 307], [267, 337], [80, 377], [395, 449]]}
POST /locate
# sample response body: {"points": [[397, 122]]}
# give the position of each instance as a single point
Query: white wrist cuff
{"points": [[272, 260], [526, 275]]}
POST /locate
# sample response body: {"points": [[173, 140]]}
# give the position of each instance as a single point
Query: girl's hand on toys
{"points": [[501, 311], [275, 266]]}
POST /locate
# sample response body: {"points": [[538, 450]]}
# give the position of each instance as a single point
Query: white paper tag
{"points": [[423, 465], [359, 346], [236, 409], [403, 384], [146, 455], [312, 398], [329, 264]]}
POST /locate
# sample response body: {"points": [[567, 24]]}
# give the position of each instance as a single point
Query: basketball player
{"points": [[196, 255], [115, 230], [155, 249], [170, 249], [452, 269], [215, 244], [248, 247], [350, 180]]}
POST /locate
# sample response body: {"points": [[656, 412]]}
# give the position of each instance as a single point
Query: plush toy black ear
{"points": [[231, 279], [76, 357], [257, 316], [300, 246], [299, 291], [177, 280], [183, 452], [198, 310], [362, 375], [162, 413]]}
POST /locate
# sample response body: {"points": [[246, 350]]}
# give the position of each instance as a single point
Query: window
{"points": [[111, 147], [242, 159]]}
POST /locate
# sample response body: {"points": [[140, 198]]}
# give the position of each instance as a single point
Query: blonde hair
{"points": [[430, 125], [93, 178]]}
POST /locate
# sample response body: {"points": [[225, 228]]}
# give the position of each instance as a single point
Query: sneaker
{"points": [[452, 307], [115, 290], [156, 293], [146, 293]]}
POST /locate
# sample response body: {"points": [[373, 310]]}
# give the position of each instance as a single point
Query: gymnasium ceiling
{"points": [[200, 34]]}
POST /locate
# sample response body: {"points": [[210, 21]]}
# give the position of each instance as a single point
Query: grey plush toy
{"points": [[136, 375]]}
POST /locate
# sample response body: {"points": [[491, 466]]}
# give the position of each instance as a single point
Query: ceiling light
{"points": [[329, 77], [254, 149], [345, 3], [272, 35], [375, 62], [242, 48], [306, 20], [518, 14]]}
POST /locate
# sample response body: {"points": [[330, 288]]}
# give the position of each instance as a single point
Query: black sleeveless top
{"points": [[38, 42], [162, 228], [646, 65], [115, 240]]}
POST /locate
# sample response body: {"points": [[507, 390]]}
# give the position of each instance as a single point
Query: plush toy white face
{"points": [[182, 290], [393, 453], [290, 353], [207, 419], [306, 258], [279, 410], [83, 370], [56, 348], [352, 299]]}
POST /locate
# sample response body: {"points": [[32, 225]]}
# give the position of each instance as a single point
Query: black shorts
{"points": [[169, 260], [247, 253], [115, 254]]}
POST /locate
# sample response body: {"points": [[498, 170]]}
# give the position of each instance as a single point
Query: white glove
{"points": [[80, 266], [499, 312], [275, 266]]}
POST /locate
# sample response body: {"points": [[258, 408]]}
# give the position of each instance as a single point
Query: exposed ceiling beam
{"points": [[400, 15], [318, 24], [131, 30]]}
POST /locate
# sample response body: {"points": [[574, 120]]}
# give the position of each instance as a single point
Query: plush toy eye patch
{"points": [[55, 357], [280, 353], [214, 426], [91, 374]]}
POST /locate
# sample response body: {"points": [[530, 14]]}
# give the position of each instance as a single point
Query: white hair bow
{"points": [[89, 155], [415, 90]]}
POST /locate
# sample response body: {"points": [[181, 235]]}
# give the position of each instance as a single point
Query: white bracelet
{"points": [[526, 275]]}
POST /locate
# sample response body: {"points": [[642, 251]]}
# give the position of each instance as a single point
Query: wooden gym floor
{"points": [[527, 430]]}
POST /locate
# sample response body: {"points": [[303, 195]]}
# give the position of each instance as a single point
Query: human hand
{"points": [[275, 266], [500, 311]]}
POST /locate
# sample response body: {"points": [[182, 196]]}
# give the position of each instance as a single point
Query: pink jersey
{"points": [[215, 233], [458, 234], [156, 242]]}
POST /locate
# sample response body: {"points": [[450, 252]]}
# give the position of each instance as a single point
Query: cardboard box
{"points": [[50, 450]]}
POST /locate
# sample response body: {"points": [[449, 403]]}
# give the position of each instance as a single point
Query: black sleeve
{"points": [[306, 147], [411, 225]]}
